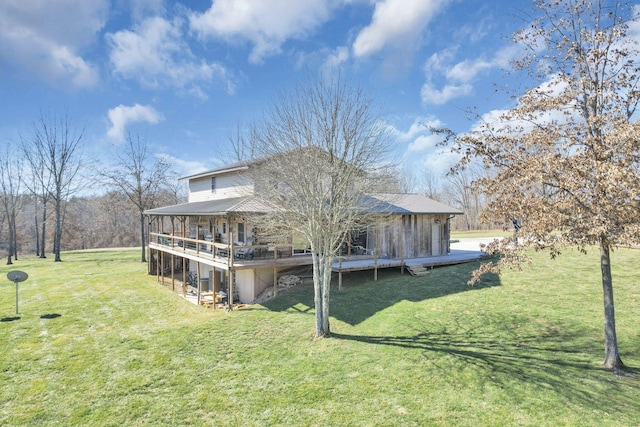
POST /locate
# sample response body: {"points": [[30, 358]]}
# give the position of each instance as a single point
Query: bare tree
{"points": [[430, 184], [55, 156], [461, 192], [240, 142], [567, 156], [40, 184], [140, 178], [10, 182], [323, 146]]}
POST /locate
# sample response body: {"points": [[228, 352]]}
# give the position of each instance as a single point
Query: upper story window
{"points": [[213, 184]]}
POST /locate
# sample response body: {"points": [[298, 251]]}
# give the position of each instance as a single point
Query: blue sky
{"points": [[184, 74]]}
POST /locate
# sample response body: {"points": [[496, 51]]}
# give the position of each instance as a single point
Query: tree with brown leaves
{"points": [[564, 160]]}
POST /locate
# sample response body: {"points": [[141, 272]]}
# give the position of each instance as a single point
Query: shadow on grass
{"points": [[525, 363], [50, 316], [361, 297], [9, 319]]}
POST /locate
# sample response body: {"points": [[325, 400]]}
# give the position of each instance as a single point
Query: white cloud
{"points": [[47, 38], [431, 95], [468, 69], [421, 150], [419, 127], [458, 78], [266, 24], [122, 115], [184, 167], [336, 58], [156, 55], [423, 143], [143, 8], [440, 161], [395, 23]]}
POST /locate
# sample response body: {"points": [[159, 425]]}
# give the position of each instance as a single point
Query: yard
{"points": [[99, 342]]}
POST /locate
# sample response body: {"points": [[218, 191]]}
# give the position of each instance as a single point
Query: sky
{"points": [[184, 75]]}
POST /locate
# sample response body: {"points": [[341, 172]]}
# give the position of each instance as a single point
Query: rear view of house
{"points": [[214, 240]]}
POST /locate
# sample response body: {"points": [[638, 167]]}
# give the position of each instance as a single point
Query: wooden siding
{"points": [[410, 236], [227, 186]]}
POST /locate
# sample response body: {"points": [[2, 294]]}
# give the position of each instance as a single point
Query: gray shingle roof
{"points": [[209, 207], [384, 203], [414, 204]]}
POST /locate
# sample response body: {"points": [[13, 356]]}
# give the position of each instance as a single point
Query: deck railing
{"points": [[223, 252]]}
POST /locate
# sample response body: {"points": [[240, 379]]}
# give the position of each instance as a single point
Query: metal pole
{"points": [[16, 282]]}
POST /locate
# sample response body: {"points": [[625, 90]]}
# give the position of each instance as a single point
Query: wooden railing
{"points": [[221, 251]]}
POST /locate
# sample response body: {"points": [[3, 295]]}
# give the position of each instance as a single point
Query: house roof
{"points": [[233, 167], [210, 207], [246, 164], [384, 203], [406, 203]]}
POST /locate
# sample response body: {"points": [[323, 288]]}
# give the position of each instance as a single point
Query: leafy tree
{"points": [[140, 178], [322, 147], [566, 156]]}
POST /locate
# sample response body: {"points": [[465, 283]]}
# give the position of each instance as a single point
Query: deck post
{"points": [[232, 279], [275, 280], [402, 238], [173, 273], [184, 277], [375, 256], [198, 280]]}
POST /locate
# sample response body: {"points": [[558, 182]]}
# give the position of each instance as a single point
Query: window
{"points": [[213, 184], [241, 232]]}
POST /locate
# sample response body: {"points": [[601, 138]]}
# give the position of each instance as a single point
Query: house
{"points": [[211, 243]]}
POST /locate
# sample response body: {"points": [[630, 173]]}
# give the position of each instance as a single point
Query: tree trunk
{"points": [[11, 243], [321, 286], [611, 355], [15, 237], [43, 234], [57, 235], [142, 239], [37, 225]]}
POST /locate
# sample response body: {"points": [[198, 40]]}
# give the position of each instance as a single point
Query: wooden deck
{"points": [[346, 264], [455, 257]]}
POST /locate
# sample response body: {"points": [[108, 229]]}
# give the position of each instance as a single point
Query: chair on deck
{"points": [[244, 253]]}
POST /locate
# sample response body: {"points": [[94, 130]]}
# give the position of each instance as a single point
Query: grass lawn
{"points": [[98, 342]]}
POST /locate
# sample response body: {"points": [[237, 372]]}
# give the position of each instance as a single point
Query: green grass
{"points": [[100, 343]]}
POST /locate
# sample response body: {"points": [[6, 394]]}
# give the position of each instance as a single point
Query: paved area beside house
{"points": [[471, 244]]}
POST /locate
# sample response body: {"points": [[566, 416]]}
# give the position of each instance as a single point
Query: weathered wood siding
{"points": [[227, 186], [410, 236]]}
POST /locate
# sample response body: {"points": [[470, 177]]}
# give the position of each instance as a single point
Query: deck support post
{"points": [[198, 280], [375, 255], [340, 274], [173, 273], [232, 279], [184, 277], [275, 280]]}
